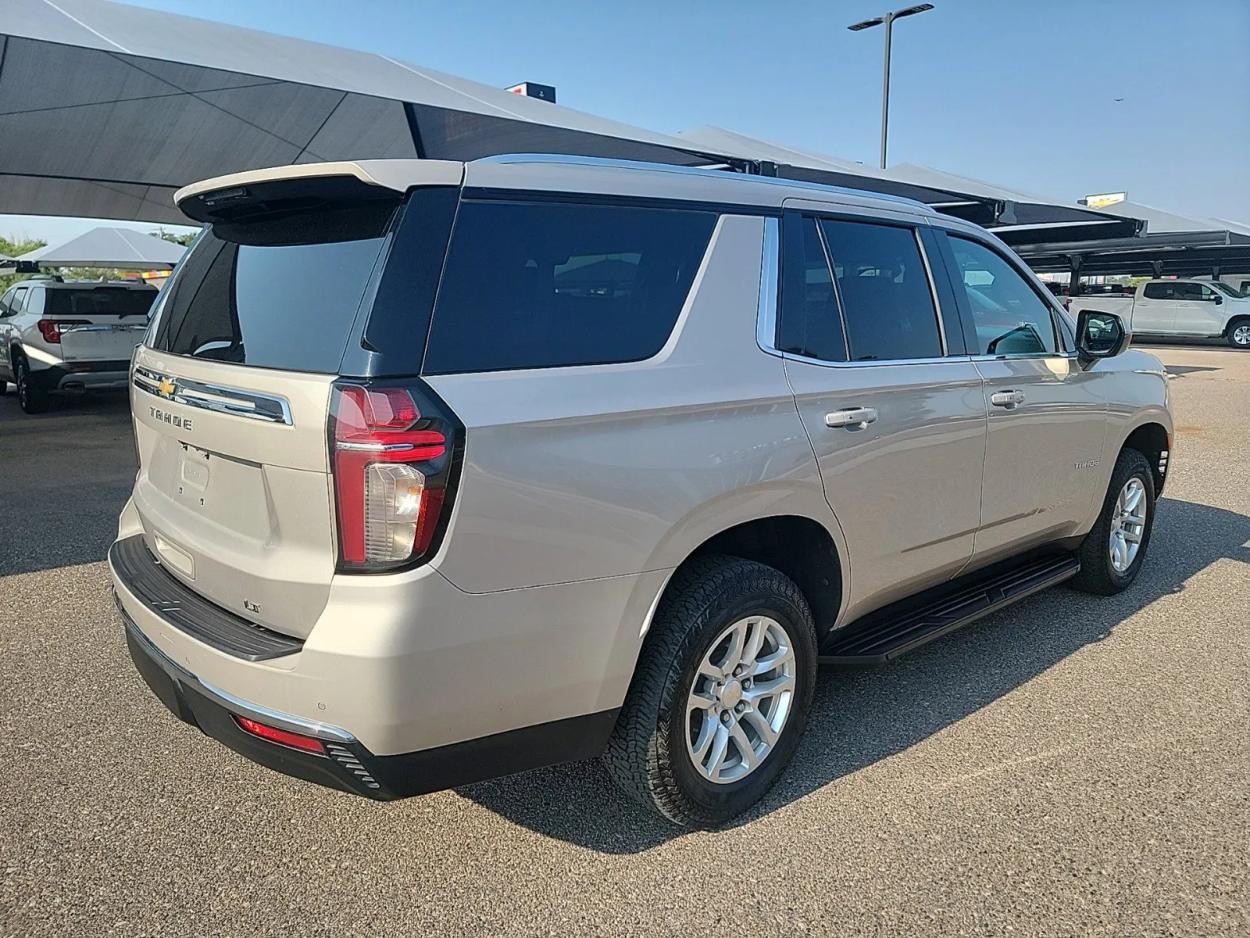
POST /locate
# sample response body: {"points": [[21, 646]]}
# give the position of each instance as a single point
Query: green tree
{"points": [[11, 247], [183, 239]]}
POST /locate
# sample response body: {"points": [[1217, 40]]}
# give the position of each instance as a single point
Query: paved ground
{"points": [[1071, 766]]}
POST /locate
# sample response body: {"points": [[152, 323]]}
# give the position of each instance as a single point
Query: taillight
{"points": [[52, 328], [394, 455]]}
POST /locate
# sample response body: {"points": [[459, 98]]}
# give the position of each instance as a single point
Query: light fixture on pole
{"points": [[888, 20]]}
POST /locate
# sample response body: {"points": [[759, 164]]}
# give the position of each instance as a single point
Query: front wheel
{"points": [[1112, 553], [1239, 333], [721, 693]]}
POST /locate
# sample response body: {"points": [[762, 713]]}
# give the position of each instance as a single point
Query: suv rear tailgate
{"points": [[102, 340], [234, 491]]}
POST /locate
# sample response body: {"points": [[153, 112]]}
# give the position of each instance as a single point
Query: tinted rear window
{"points": [[99, 301], [545, 284], [277, 292]]}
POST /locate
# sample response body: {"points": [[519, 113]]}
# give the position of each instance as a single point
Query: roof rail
{"points": [[760, 172]]}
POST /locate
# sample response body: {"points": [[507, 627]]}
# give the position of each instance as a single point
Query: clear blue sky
{"points": [[1019, 92]]}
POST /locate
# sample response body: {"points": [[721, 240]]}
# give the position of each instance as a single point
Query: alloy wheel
{"points": [[740, 699], [1128, 525]]}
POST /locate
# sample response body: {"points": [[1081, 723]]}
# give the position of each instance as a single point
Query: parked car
{"points": [[453, 470], [69, 336], [1191, 308]]}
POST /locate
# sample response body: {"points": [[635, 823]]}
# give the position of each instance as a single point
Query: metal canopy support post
{"points": [[1074, 274]]}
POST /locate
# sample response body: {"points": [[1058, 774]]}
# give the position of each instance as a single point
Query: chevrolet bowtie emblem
{"points": [[166, 387]]}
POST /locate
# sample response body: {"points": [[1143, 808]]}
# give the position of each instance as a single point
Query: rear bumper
{"points": [[348, 766], [213, 712], [91, 376]]}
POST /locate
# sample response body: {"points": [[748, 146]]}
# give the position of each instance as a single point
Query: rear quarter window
{"points": [[549, 284]]}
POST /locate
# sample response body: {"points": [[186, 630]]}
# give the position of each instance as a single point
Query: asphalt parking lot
{"points": [[1070, 766]]}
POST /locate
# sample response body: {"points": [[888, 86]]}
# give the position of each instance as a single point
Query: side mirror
{"points": [[1100, 335], [1217, 299]]}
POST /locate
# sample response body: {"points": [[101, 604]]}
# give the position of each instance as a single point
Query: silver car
{"points": [[77, 336], [451, 470]]}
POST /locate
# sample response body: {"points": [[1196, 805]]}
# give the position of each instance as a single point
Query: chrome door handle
{"points": [[1007, 399], [854, 418]]}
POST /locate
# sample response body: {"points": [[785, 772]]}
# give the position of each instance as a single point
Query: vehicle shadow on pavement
{"points": [[860, 716], [64, 477]]}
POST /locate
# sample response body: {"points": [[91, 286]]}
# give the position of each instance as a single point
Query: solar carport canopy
{"points": [[106, 109]]}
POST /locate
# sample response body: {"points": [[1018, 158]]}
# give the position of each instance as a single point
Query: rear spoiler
{"points": [[227, 198]]}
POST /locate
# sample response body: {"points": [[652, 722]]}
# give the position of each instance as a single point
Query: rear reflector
{"points": [[282, 737]]}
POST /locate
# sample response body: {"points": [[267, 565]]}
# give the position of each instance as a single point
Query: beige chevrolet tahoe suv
{"points": [[451, 470]]}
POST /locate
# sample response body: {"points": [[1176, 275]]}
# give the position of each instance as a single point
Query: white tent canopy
{"points": [[119, 248]]}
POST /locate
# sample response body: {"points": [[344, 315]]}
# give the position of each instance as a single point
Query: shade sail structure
{"points": [[1028, 218], [107, 109], [1165, 253], [1161, 220], [119, 248], [794, 163], [1171, 245]]}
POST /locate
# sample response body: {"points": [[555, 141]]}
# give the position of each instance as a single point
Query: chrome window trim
{"points": [[1023, 356], [234, 402], [766, 306], [876, 363]]}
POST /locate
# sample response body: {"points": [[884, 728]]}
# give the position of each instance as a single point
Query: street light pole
{"points": [[887, 20]]}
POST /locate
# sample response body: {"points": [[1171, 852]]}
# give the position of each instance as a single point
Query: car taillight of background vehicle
{"points": [[53, 329], [394, 454]]}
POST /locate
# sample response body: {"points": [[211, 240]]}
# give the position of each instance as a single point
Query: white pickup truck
{"points": [[1198, 308]]}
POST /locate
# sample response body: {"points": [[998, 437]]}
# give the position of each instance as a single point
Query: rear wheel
{"points": [[33, 400], [1239, 333], [721, 693], [1112, 553]]}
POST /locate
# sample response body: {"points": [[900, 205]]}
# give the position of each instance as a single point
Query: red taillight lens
{"points": [[51, 328], [282, 737], [392, 460]]}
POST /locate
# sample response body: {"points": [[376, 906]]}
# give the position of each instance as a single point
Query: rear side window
{"points": [[547, 284], [99, 301], [275, 292], [886, 300], [1158, 291]]}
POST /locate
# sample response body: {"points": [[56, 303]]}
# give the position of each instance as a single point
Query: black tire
{"points": [[33, 400], [647, 754], [1098, 574], [1231, 333], [4, 388]]}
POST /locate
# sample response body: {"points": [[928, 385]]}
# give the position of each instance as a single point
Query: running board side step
{"points": [[886, 634]]}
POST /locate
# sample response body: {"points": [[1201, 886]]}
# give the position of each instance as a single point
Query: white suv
{"points": [[69, 336]]}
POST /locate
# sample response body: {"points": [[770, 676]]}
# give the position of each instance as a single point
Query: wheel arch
{"points": [[1153, 440], [798, 545]]}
